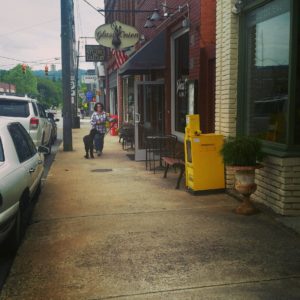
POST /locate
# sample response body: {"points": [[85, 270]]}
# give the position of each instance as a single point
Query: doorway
{"points": [[149, 113]]}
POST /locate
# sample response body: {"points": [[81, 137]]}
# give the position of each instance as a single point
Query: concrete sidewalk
{"points": [[107, 228]]}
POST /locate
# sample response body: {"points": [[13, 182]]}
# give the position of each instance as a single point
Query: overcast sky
{"points": [[30, 31]]}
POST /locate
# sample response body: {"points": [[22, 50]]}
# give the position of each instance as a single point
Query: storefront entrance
{"points": [[149, 113]]}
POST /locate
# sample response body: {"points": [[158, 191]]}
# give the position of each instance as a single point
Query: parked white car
{"points": [[21, 170], [31, 114]]}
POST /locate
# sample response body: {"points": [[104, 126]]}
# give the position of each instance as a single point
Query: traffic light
{"points": [[46, 70], [24, 68]]}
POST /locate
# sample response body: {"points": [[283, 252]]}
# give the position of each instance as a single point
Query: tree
{"points": [[25, 83], [50, 92]]}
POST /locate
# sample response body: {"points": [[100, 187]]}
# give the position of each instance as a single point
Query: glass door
{"points": [[149, 113]]}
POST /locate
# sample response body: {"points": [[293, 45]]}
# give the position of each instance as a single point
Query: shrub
{"points": [[242, 151]]}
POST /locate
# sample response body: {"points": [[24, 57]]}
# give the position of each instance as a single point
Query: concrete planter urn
{"points": [[241, 154], [245, 185]]}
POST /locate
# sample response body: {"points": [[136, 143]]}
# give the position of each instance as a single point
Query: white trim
{"points": [[179, 33]]}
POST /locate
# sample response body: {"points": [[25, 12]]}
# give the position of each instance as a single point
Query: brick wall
{"points": [[226, 69], [278, 185], [226, 73]]}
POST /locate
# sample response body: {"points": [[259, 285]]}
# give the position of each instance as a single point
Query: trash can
{"points": [[76, 122]]}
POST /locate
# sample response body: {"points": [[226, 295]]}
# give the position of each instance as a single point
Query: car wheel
{"points": [[15, 236]]}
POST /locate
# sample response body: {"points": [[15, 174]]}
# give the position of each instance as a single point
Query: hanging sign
{"points": [[181, 87], [89, 79], [94, 53], [116, 35]]}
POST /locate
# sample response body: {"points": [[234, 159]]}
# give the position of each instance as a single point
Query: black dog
{"points": [[88, 141]]}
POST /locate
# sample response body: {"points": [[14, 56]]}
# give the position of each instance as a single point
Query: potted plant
{"points": [[243, 154]]}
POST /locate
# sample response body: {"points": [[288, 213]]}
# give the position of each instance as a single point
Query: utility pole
{"points": [[76, 85], [66, 35], [97, 82]]}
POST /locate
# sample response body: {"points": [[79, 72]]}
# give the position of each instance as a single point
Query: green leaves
{"points": [[25, 83], [242, 151], [50, 92], [47, 90]]}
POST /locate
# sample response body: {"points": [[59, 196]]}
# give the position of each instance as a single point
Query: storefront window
{"points": [[181, 81], [128, 100], [297, 117], [267, 70]]}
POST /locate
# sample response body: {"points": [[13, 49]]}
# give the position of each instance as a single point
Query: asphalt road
{"points": [[6, 259]]}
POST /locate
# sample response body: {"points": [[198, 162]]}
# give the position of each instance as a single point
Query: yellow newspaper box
{"points": [[204, 167]]}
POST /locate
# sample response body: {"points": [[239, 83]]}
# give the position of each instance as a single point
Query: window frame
{"points": [[35, 109], [22, 159], [176, 35], [289, 149]]}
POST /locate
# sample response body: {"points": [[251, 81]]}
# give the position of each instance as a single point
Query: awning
{"points": [[150, 57]]}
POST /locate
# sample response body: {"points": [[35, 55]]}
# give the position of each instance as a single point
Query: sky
{"points": [[30, 31]]}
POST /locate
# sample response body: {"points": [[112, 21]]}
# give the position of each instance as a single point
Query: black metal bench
{"points": [[174, 162]]}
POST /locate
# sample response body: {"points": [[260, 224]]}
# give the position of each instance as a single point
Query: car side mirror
{"points": [[43, 149]]}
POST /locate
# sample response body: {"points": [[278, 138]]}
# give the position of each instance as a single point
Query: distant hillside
{"points": [[55, 74]]}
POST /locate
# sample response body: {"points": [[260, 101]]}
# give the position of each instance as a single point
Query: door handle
{"points": [[31, 170]]}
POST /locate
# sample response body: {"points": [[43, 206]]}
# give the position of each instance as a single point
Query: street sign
{"points": [[89, 79], [73, 87], [94, 53], [89, 96]]}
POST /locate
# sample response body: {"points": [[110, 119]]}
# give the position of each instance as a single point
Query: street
{"points": [[108, 229]]}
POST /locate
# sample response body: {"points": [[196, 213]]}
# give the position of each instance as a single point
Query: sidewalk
{"points": [[108, 229]]}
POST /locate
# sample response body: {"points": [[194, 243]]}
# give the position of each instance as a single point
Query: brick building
{"points": [[171, 72], [7, 88]]}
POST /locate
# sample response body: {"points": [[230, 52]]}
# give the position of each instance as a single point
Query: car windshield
{"points": [[1, 152], [14, 108]]}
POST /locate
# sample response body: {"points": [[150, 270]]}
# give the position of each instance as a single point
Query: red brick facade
{"points": [[7, 88], [202, 15]]}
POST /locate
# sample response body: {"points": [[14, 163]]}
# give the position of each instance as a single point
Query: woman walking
{"points": [[98, 121]]}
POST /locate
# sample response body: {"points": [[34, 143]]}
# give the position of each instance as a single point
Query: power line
{"points": [[79, 17], [32, 61], [9, 58], [94, 8], [28, 27]]}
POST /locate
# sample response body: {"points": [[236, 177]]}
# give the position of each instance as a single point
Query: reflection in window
{"points": [[11, 108], [268, 35], [181, 80]]}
